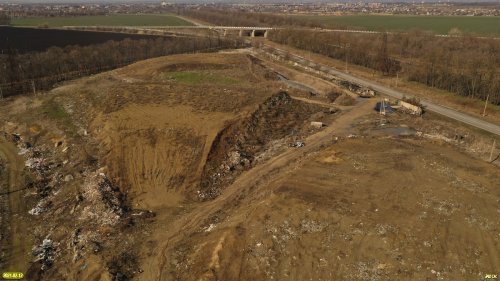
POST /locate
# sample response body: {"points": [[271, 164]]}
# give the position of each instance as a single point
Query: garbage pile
{"points": [[279, 118], [355, 88], [104, 203], [409, 108], [45, 253]]}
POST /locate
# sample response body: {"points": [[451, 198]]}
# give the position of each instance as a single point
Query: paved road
{"points": [[430, 106], [173, 27]]}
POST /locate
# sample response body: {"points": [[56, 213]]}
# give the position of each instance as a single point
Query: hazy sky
{"points": [[226, 1]]}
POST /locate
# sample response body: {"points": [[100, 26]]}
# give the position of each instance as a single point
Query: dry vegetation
{"points": [[156, 171], [465, 65], [26, 73]]}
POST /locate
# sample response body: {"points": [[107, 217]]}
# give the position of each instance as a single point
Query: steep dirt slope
{"points": [[240, 145], [108, 154]]}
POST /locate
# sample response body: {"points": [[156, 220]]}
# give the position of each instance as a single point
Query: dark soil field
{"points": [[107, 20], [34, 39]]}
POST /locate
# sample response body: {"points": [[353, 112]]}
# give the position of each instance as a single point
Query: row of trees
{"points": [[21, 73], [4, 19], [464, 65], [240, 18], [365, 50]]}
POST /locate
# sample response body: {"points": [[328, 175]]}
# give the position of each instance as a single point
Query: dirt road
{"points": [[19, 246], [258, 176], [450, 113]]}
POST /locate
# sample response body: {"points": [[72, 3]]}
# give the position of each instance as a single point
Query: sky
{"points": [[229, 1]]}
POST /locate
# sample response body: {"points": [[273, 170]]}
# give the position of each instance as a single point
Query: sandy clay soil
{"points": [[187, 168]]}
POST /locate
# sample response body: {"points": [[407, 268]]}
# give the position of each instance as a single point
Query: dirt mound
{"points": [[345, 100], [235, 148], [106, 153]]}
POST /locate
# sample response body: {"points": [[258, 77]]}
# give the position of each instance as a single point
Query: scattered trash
{"points": [[366, 93], [16, 137], [23, 151], [355, 88], [40, 208], [210, 227], [107, 203], [68, 178], [297, 144], [36, 211], [45, 253]]}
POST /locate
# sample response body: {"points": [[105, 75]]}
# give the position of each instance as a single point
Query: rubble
{"points": [[277, 121], [68, 178], [297, 144], [410, 108], [106, 202], [45, 253], [40, 208], [361, 91]]}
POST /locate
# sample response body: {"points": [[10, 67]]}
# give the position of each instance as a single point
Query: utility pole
{"points": [[347, 46], [346, 61], [485, 105], [33, 86], [492, 149], [382, 112]]}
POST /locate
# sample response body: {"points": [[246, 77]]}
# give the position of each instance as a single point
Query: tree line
{"points": [[22, 73], [467, 66], [239, 18]]}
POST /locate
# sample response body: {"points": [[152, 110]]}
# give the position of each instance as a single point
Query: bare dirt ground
{"points": [[184, 168], [445, 98], [18, 246]]}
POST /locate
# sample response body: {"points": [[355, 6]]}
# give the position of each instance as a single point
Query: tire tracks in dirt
{"points": [[18, 246], [259, 176]]}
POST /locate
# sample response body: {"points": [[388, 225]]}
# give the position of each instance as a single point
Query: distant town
{"points": [[417, 9]]}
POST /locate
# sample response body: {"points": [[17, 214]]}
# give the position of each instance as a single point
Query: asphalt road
{"points": [[430, 106]]}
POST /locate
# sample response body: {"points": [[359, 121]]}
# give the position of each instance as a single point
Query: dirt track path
{"points": [[18, 247], [429, 105], [258, 176]]}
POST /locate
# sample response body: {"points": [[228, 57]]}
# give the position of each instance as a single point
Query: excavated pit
{"points": [[278, 121]]}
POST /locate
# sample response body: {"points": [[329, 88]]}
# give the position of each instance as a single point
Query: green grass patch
{"points": [[199, 78], [106, 20], [437, 24], [55, 111]]}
